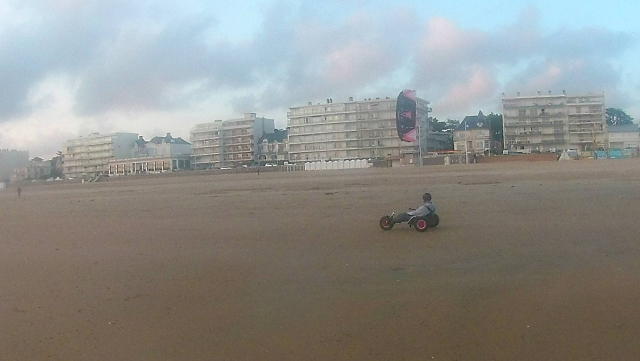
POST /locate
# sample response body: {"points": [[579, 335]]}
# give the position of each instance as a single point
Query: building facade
{"points": [[439, 141], [160, 154], [37, 169], [473, 135], [90, 156], [10, 160], [351, 130], [624, 136], [229, 143], [274, 147], [554, 122]]}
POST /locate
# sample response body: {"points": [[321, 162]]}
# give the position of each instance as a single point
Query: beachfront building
{"points": [[160, 154], [351, 130], [90, 156], [554, 122], [274, 147], [37, 169], [473, 135], [439, 141], [10, 160], [624, 136], [229, 143]]}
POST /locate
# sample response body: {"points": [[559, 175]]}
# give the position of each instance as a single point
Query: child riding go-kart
{"points": [[421, 219]]}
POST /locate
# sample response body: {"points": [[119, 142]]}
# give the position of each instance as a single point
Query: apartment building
{"points": [[229, 143], [90, 156], [554, 122], [351, 130]]}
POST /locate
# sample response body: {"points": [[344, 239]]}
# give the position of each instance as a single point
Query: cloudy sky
{"points": [[72, 67]]}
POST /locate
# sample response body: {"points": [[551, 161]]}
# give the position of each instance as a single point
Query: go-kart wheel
{"points": [[434, 221], [421, 225], [385, 223]]}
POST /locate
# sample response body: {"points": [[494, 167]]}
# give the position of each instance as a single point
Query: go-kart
{"points": [[420, 223]]}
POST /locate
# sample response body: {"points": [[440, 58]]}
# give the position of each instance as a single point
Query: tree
{"points": [[56, 165], [618, 117], [451, 125], [444, 127], [437, 125], [495, 122]]}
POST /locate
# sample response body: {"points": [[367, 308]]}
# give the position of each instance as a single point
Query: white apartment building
{"points": [[90, 156], [351, 130], [554, 122], [229, 143]]}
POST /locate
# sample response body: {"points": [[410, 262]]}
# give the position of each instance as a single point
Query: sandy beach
{"points": [[534, 261]]}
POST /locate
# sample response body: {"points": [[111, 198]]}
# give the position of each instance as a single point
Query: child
{"points": [[427, 209]]}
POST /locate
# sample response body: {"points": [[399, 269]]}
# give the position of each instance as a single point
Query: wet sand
{"points": [[531, 262]]}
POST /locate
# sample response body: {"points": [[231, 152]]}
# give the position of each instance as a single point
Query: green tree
{"points": [[495, 122], [618, 117], [440, 126], [56, 165], [437, 125], [451, 125]]}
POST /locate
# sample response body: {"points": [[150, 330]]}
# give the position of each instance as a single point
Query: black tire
{"points": [[385, 223], [434, 221], [421, 225]]}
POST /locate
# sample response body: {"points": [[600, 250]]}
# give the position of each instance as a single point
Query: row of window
{"points": [[349, 107], [342, 126], [341, 118], [346, 135], [368, 143]]}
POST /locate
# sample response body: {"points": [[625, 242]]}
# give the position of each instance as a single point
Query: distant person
{"points": [[19, 192], [427, 209]]}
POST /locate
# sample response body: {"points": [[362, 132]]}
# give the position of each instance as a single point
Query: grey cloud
{"points": [[122, 56], [149, 56], [582, 59], [313, 59]]}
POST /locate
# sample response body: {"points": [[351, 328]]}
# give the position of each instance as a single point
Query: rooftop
{"points": [[474, 122], [168, 139], [633, 128], [279, 135]]}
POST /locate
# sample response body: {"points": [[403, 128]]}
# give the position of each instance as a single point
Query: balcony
{"points": [[206, 154], [586, 121], [237, 142], [585, 131], [238, 151]]}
